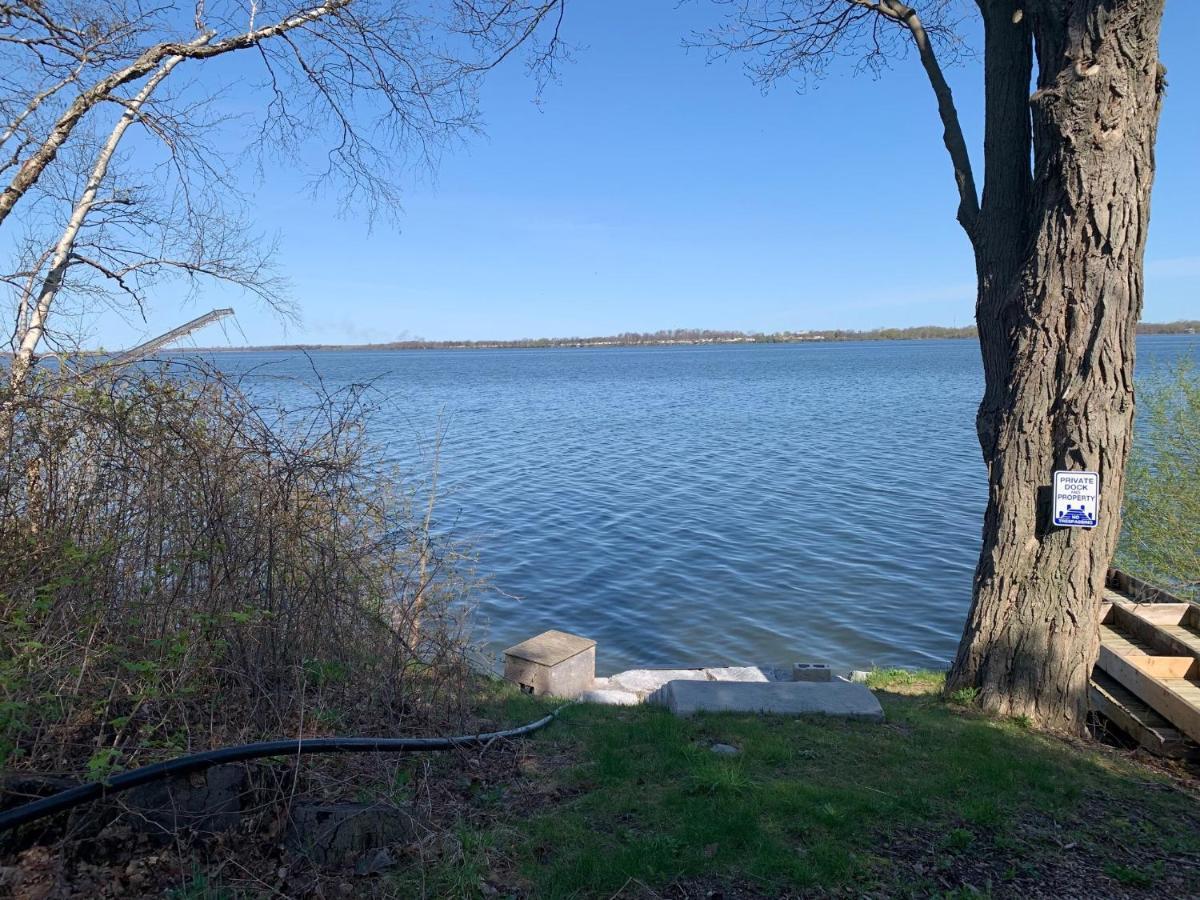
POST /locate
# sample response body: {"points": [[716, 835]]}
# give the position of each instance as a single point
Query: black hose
{"points": [[196, 762]]}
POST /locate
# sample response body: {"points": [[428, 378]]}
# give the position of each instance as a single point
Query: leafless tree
{"points": [[1058, 236], [366, 87]]}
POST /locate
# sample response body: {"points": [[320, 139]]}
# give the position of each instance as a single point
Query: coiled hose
{"points": [[197, 762]]}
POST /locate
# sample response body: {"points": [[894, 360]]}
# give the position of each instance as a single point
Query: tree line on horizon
{"points": [[704, 336]]}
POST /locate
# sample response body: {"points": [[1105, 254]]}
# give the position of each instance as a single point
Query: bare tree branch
{"points": [[201, 47], [952, 136], [800, 38], [40, 309], [380, 83]]}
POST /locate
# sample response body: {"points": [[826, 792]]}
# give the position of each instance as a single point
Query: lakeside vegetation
{"points": [[183, 569], [672, 336], [1160, 538]]}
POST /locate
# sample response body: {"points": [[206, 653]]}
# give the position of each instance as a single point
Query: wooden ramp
{"points": [[1147, 679]]}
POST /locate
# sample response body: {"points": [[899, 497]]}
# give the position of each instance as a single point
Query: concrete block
{"points": [[784, 698], [811, 672], [858, 676], [554, 663]]}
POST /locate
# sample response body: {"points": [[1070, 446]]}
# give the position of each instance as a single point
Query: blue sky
{"points": [[651, 190]]}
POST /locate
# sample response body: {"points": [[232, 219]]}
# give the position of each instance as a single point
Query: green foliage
{"points": [[102, 764], [1160, 541], [719, 777], [964, 696]]}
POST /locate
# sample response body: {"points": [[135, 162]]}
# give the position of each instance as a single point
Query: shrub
{"points": [[1160, 540], [181, 568]]}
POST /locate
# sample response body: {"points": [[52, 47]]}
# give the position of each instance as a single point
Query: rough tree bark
{"points": [[1059, 257], [1058, 238]]}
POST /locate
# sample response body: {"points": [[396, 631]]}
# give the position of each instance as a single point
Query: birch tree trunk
{"points": [[1059, 259], [60, 261]]}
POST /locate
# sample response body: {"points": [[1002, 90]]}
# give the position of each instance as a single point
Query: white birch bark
{"points": [[39, 310]]}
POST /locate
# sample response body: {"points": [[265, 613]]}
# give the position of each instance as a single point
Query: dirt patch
{"points": [[1033, 859], [99, 855]]}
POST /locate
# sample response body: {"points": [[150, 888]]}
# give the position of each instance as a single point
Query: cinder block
{"points": [[554, 663], [811, 672]]}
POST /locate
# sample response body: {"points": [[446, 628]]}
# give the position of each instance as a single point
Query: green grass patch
{"points": [[938, 794]]}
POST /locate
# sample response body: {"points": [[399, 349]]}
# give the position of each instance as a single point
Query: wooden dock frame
{"points": [[1147, 678]]}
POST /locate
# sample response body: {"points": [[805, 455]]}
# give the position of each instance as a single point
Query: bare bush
{"points": [[180, 569]]}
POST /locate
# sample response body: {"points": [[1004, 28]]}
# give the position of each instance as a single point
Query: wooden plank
{"points": [[1142, 591], [1166, 667], [1158, 613], [1183, 637], [1124, 710], [1124, 643], [1174, 698], [1162, 639]]}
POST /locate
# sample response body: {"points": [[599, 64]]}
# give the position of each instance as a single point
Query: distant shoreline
{"points": [[680, 337]]}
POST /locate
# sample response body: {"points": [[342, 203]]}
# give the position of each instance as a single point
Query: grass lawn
{"points": [[937, 801]]}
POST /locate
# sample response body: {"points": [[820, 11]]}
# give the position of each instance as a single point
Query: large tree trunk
{"points": [[1059, 259]]}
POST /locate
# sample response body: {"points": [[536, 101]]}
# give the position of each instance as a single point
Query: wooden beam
{"points": [[1141, 591], [1125, 711], [1159, 613], [1127, 618], [1158, 681]]}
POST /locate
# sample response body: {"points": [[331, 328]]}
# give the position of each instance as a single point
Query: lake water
{"points": [[701, 505]]}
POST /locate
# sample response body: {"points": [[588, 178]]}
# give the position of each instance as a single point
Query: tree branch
{"points": [[1008, 137], [202, 47], [952, 136], [799, 38], [40, 309]]}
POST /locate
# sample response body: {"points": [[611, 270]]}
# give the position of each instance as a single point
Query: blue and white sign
{"points": [[1076, 499]]}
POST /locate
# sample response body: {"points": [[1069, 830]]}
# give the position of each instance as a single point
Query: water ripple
{"points": [[703, 506]]}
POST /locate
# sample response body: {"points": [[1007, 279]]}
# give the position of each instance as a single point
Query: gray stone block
{"points": [[335, 834], [811, 672], [784, 698], [553, 663]]}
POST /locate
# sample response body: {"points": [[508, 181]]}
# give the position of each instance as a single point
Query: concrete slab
{"points": [[736, 673], [785, 698], [644, 681]]}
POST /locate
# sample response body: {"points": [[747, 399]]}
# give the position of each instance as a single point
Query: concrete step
{"points": [[783, 698]]}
